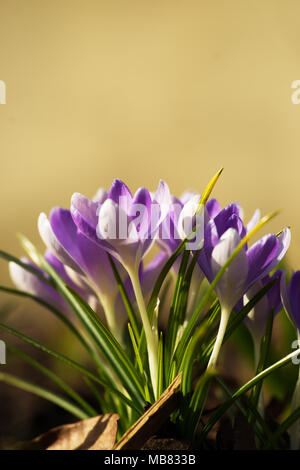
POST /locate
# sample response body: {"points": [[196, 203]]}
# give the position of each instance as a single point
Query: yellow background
{"points": [[143, 90]]}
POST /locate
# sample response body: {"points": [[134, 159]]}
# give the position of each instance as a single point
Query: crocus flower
{"points": [[258, 317], [222, 235], [290, 296], [85, 262], [34, 285], [126, 227]]}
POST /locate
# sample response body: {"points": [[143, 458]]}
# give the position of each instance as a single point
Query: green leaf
{"points": [[25, 266], [160, 369], [57, 313], [237, 318], [162, 276], [71, 363], [264, 352], [189, 358], [42, 392], [61, 383], [174, 319], [248, 386], [196, 404], [139, 362], [194, 318], [285, 425], [113, 352], [263, 425], [128, 305]]}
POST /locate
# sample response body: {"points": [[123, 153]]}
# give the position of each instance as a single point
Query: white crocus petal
{"points": [[162, 196], [25, 281], [107, 221], [231, 285], [114, 228], [186, 196], [100, 196], [113, 225], [53, 244], [185, 220], [285, 239], [253, 221], [241, 210], [189, 218], [21, 278]]}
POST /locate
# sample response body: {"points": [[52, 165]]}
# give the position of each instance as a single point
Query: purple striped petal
{"points": [[120, 194], [261, 256]]}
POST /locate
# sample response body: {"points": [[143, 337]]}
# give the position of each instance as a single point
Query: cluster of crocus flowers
{"points": [[116, 225]]}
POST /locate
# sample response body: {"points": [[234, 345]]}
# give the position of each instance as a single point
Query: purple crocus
{"points": [[258, 317], [85, 262], [221, 236], [34, 285], [126, 226], [123, 224], [290, 296]]}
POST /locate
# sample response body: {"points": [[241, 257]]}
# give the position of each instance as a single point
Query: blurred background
{"points": [[143, 90]]}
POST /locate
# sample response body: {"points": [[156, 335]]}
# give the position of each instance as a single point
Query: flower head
{"points": [[123, 224], [221, 237], [290, 296]]}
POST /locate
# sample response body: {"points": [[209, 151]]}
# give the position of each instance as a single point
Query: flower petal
{"points": [[233, 282], [261, 256], [120, 194], [53, 244]]}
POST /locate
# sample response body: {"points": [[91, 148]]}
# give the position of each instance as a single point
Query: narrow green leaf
{"points": [[54, 310], [128, 305], [174, 319], [263, 425], [160, 369], [27, 267], [264, 352], [52, 376], [237, 318], [162, 276], [42, 392], [285, 425], [139, 361], [104, 340], [113, 353], [71, 363], [223, 408]]}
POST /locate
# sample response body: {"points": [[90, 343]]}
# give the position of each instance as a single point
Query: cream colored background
{"points": [[144, 90]]}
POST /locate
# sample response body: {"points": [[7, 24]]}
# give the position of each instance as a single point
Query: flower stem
{"points": [[107, 303], [225, 314], [150, 332]]}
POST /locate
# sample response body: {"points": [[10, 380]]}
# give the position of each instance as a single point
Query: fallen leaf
{"points": [[97, 433], [152, 420]]}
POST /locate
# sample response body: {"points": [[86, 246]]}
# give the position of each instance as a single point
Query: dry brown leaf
{"points": [[151, 421], [97, 433]]}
